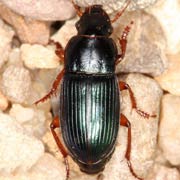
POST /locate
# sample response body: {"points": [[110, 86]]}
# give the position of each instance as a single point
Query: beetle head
{"points": [[94, 21]]}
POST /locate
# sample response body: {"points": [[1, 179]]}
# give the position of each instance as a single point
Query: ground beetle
{"points": [[90, 114]]}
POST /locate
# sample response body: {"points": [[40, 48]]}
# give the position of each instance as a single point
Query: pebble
{"points": [[18, 150], [6, 35], [28, 30], [169, 80], [169, 134], [145, 44], [38, 56], [46, 168], [14, 57], [45, 10], [161, 172], [168, 14], [3, 102], [16, 83], [32, 119], [67, 31]]}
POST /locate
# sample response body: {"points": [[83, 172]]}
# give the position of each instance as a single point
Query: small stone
{"points": [[169, 80], [32, 119], [48, 168], [6, 35], [3, 102], [14, 57], [16, 83], [18, 150], [28, 30], [169, 134], [42, 9], [38, 56], [168, 14], [161, 172], [21, 114], [67, 31], [145, 44]]}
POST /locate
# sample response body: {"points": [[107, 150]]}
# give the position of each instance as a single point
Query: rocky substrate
{"points": [[28, 66]]}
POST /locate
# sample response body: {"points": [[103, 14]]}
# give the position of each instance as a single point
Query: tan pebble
{"points": [[16, 83], [28, 30], [170, 79], [145, 46], [44, 10], [6, 35], [161, 172], [67, 31], [3, 102], [169, 134], [38, 56], [168, 14], [19, 150]]}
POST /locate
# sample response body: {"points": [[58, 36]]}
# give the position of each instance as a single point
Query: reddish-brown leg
{"points": [[123, 43], [56, 124], [125, 86], [59, 50], [77, 8], [120, 12], [124, 122], [53, 89]]}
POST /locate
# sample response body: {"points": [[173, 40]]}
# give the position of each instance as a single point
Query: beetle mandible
{"points": [[89, 114]]}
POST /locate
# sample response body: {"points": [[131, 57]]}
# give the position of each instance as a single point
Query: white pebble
{"points": [[47, 168], [161, 172], [168, 14], [21, 114], [18, 150], [169, 135], [42, 9], [38, 56], [6, 36], [67, 31], [32, 119], [16, 83]]}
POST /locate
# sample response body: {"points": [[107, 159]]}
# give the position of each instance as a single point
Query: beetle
{"points": [[89, 114]]}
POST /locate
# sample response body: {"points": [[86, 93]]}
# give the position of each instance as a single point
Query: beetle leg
{"points": [[123, 43], [77, 8], [124, 86], [56, 124], [59, 49], [53, 89], [125, 122]]}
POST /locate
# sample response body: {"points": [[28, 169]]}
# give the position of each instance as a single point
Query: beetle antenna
{"points": [[77, 8], [120, 12]]}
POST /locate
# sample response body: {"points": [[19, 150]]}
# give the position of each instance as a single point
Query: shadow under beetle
{"points": [[89, 114]]}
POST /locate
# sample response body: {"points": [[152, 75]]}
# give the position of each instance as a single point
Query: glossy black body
{"points": [[90, 105]]}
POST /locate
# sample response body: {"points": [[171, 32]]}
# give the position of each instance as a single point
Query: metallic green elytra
{"points": [[90, 118]]}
